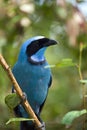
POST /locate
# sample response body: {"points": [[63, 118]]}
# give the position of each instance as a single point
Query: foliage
{"points": [[63, 63], [71, 116], [60, 20], [12, 100], [18, 119]]}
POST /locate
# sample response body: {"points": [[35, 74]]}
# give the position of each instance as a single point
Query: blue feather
{"points": [[32, 76]]}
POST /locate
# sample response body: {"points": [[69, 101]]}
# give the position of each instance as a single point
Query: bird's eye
{"points": [[33, 48]]}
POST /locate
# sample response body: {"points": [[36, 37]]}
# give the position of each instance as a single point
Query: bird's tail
{"points": [[31, 126], [27, 126]]}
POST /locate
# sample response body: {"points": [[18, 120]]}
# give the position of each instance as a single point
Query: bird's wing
{"points": [[49, 84], [50, 81]]}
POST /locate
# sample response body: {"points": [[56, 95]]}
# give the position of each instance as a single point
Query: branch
{"points": [[19, 91]]}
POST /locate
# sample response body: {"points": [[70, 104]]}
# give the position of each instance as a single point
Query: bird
{"points": [[33, 77]]}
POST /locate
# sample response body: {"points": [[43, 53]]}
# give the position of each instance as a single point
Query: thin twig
{"points": [[81, 78], [19, 91]]}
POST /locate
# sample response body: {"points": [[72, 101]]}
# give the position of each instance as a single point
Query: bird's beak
{"points": [[49, 42]]}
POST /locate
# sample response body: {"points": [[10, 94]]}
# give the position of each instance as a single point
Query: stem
{"points": [[80, 73], [80, 64], [19, 91], [81, 78]]}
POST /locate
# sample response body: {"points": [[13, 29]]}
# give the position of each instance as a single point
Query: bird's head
{"points": [[33, 49]]}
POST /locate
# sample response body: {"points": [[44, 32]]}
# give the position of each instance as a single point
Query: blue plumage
{"points": [[32, 76]]}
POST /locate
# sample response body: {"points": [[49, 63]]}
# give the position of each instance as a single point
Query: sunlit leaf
{"points": [[83, 81], [65, 63], [62, 63], [12, 100], [71, 116], [83, 46], [18, 119]]}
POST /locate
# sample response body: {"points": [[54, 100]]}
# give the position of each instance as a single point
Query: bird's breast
{"points": [[33, 80]]}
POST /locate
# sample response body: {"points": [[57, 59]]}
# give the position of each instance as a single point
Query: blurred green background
{"points": [[57, 19]]}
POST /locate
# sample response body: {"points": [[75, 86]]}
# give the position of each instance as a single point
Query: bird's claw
{"points": [[41, 127], [24, 97]]}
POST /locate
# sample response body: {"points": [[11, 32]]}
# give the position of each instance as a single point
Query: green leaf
{"points": [[62, 63], [83, 81], [71, 116], [65, 63], [18, 119], [83, 46], [12, 100]]}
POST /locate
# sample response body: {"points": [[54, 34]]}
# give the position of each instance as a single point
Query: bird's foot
{"points": [[41, 127], [24, 97]]}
